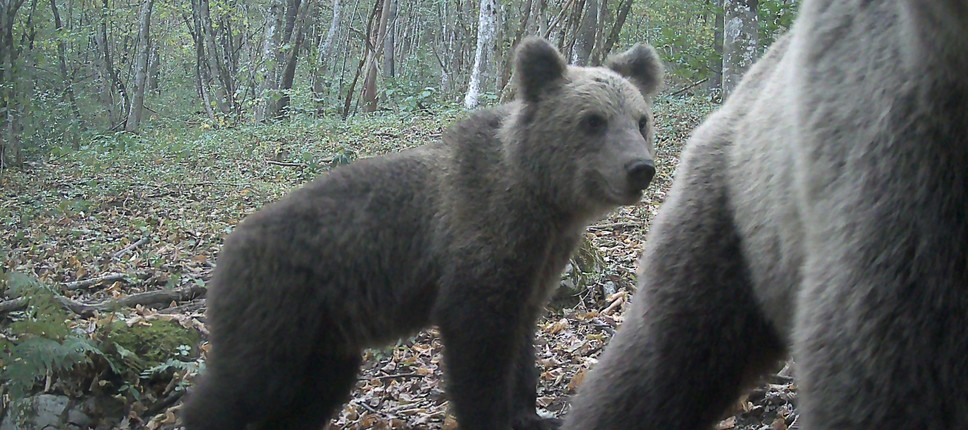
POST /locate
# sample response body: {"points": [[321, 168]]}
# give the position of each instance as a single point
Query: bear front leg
{"points": [[478, 357], [525, 395], [482, 324]]}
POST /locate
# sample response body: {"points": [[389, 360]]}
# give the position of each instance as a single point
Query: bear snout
{"points": [[640, 173]]}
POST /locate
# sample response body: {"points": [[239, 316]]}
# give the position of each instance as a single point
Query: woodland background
{"points": [[134, 134]]}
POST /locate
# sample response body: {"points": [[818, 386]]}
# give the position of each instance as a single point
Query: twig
{"points": [[400, 375], [129, 248], [184, 308], [150, 298], [111, 277], [285, 163], [162, 404], [614, 225], [688, 87]]}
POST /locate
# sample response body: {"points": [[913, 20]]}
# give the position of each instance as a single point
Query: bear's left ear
{"points": [[641, 65], [538, 65]]}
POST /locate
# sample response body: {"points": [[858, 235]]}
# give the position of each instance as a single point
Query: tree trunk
{"points": [[62, 64], [325, 47], [217, 83], [715, 83], [11, 149], [153, 68], [269, 73], [390, 40], [136, 112], [295, 43], [622, 14], [487, 21], [374, 51], [363, 58], [585, 38], [740, 40], [104, 69]]}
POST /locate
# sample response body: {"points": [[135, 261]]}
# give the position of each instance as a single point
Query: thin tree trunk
{"points": [[11, 148], [623, 13], [585, 37], [295, 43], [740, 40], [136, 112], [325, 48], [363, 57], [390, 40], [105, 69], [154, 61], [62, 63], [487, 20], [214, 66], [715, 82], [268, 89], [375, 49]]}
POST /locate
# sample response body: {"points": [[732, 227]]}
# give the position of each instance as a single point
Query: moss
{"points": [[148, 345]]}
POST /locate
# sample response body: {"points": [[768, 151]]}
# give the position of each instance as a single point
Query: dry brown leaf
{"points": [[576, 381], [727, 424]]}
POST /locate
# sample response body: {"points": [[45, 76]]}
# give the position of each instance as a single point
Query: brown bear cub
{"points": [[821, 212], [470, 234]]}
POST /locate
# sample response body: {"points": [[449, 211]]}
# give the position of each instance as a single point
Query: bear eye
{"points": [[594, 123], [643, 123]]}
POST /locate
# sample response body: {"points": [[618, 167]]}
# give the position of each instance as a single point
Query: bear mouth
{"points": [[615, 195]]}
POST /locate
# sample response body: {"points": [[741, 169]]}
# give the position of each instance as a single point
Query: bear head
{"points": [[587, 131]]}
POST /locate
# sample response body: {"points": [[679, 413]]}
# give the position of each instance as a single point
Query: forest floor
{"points": [[133, 214]]}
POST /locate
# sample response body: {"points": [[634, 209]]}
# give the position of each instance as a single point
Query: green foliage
{"points": [[41, 344]]}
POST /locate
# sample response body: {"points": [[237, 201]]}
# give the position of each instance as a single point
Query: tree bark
{"points": [[11, 150], [740, 40], [715, 82], [136, 111], [374, 49], [62, 64], [390, 40], [269, 85], [325, 48], [295, 43], [585, 37], [487, 21], [214, 68], [104, 69], [621, 16]]}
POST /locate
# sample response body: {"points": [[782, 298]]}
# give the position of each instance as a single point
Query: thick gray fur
{"points": [[470, 234], [821, 212]]}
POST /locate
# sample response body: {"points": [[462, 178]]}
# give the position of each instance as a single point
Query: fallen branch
{"points": [[285, 163], [12, 305], [688, 87], [615, 225], [129, 248], [111, 277], [150, 298], [159, 406]]}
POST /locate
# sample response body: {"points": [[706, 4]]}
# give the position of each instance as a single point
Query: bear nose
{"points": [[640, 173]]}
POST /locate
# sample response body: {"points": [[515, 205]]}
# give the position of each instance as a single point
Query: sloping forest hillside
{"points": [[137, 133]]}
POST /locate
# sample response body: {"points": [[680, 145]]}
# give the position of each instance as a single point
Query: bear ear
{"points": [[641, 65], [538, 65]]}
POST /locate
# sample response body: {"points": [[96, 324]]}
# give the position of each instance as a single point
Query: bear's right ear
{"points": [[537, 66]]}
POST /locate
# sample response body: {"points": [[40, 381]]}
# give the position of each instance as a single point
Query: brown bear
{"points": [[822, 212], [470, 234]]}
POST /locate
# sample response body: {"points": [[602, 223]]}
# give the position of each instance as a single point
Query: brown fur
{"points": [[470, 234], [821, 211]]}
